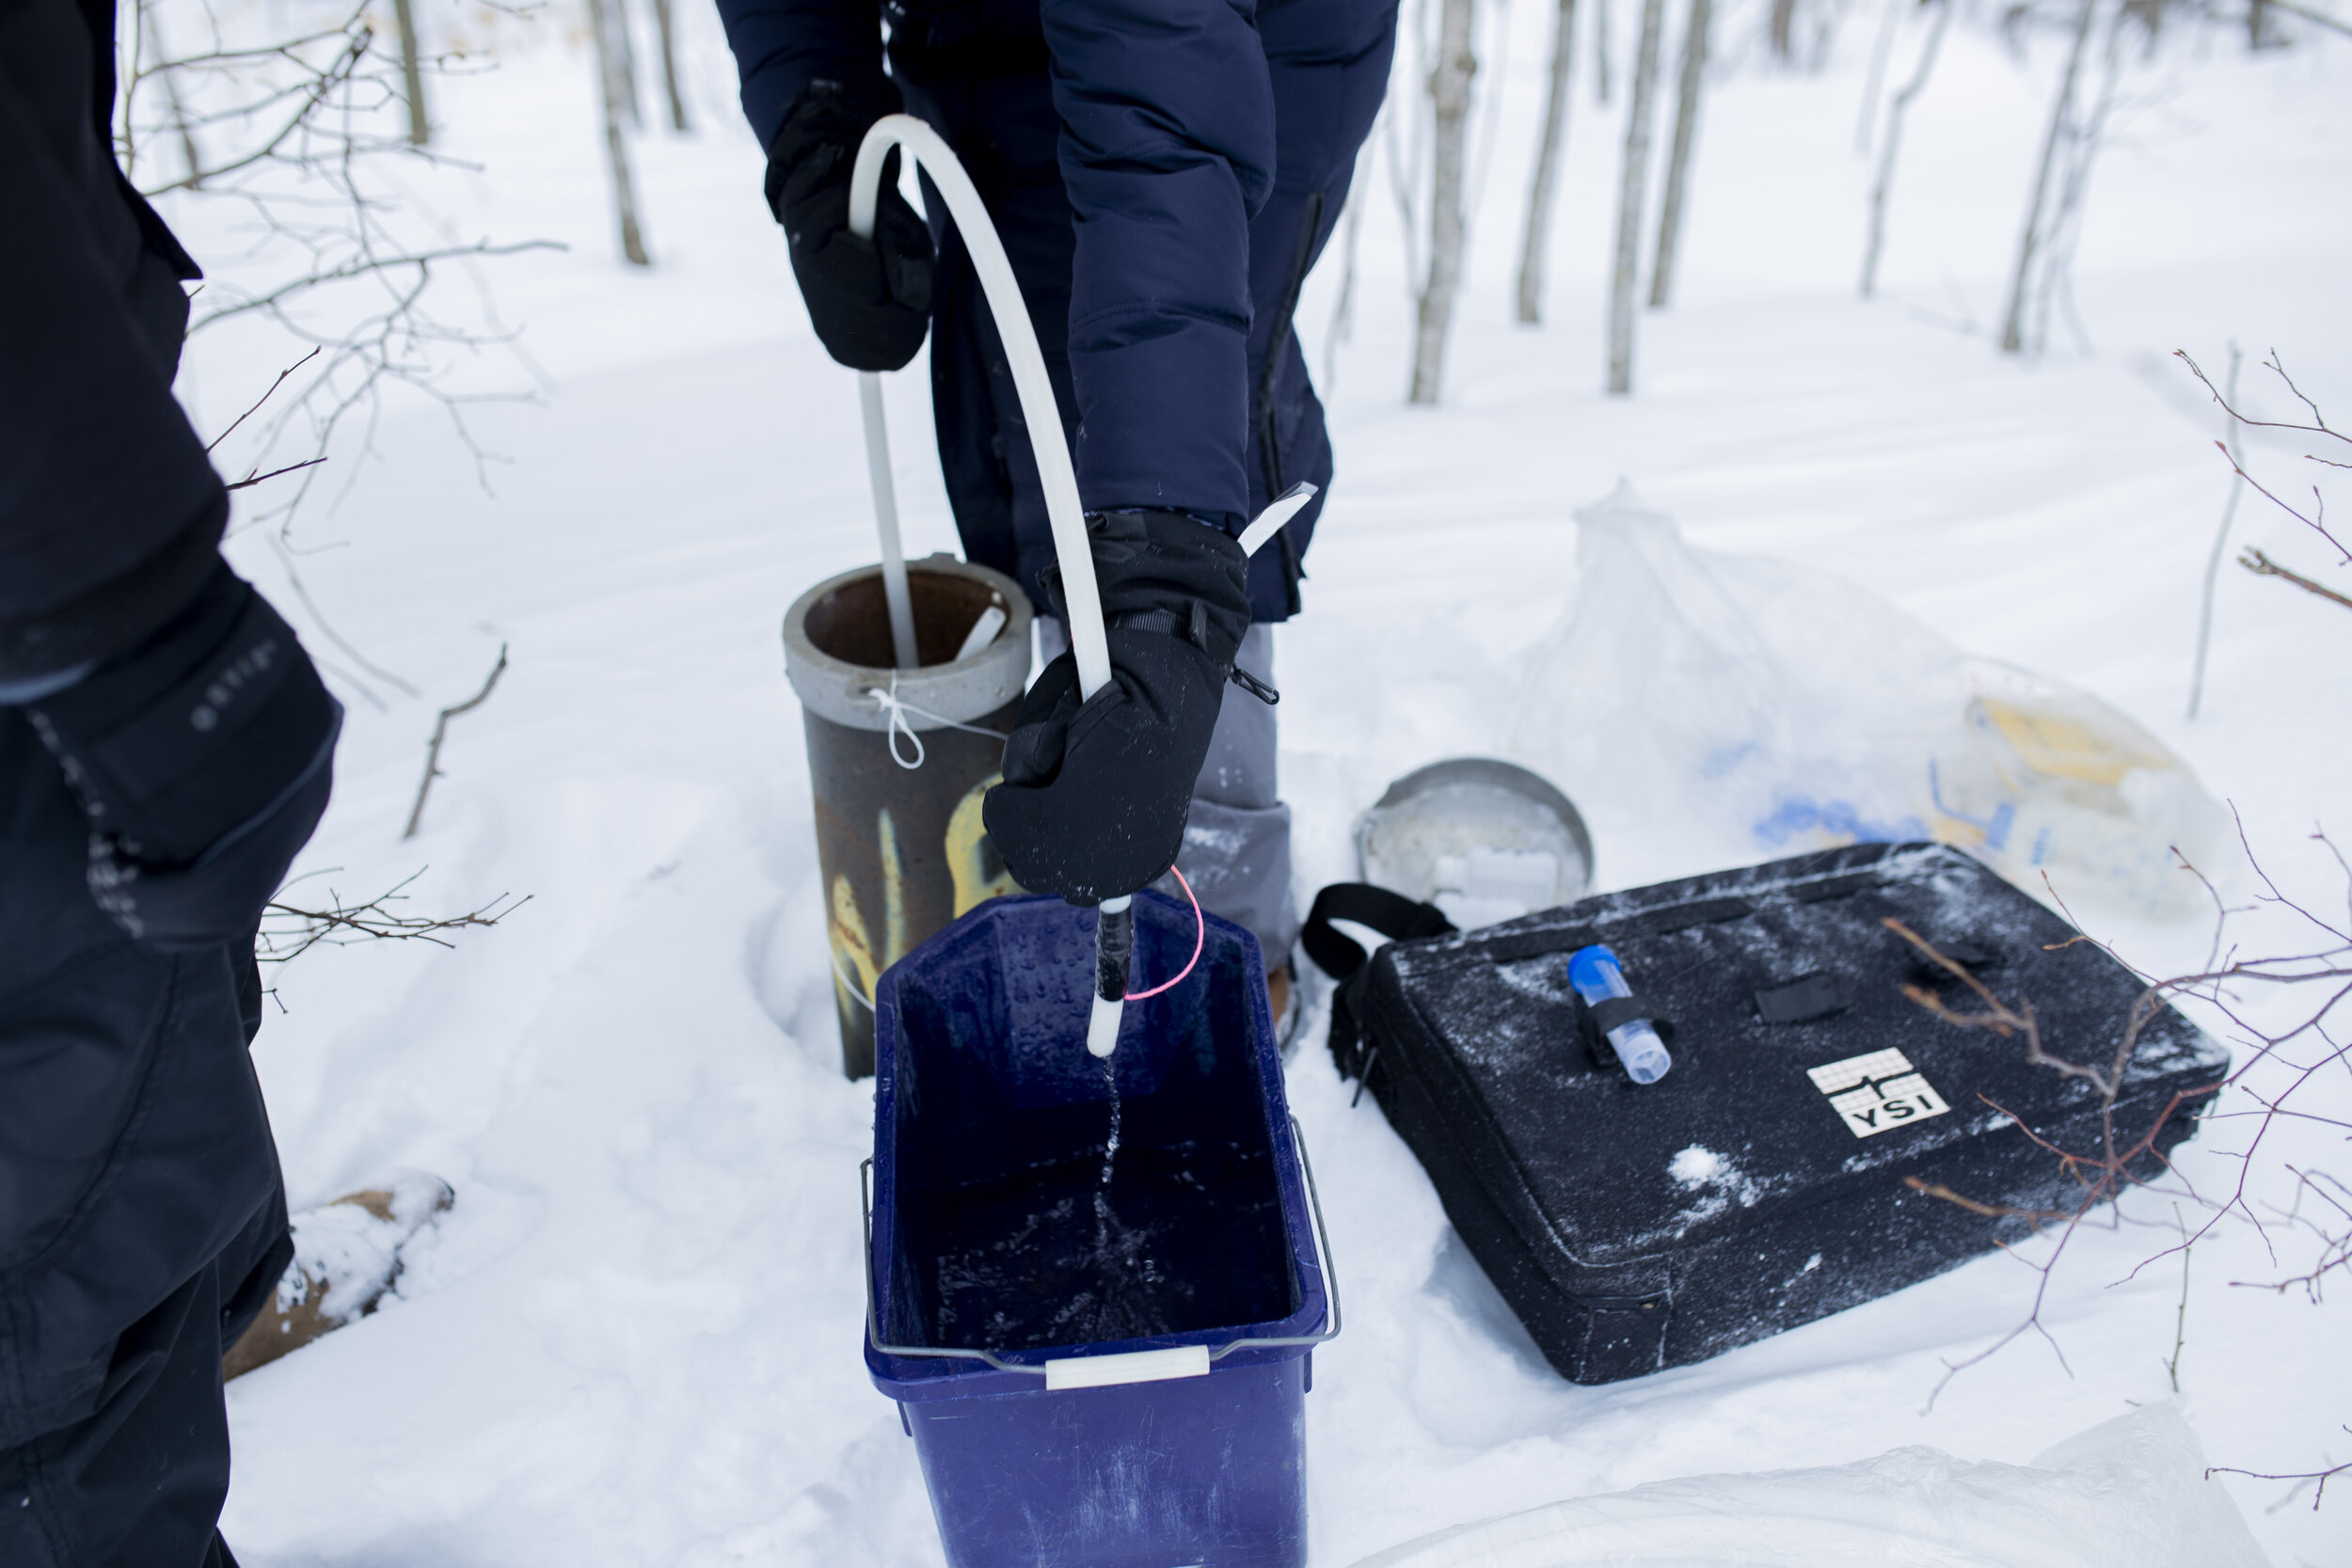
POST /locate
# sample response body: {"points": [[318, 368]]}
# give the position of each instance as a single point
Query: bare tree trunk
{"points": [[625, 60], [1450, 91], [1630, 199], [1601, 51], [2029, 242], [669, 65], [1344, 308], [411, 75], [1784, 25], [1895, 112], [600, 16], [1875, 78], [1678, 164], [2054, 283], [1538, 235]]}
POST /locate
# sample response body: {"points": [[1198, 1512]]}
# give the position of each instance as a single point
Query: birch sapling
{"points": [[1537, 240], [2036, 229], [1896, 110], [1450, 95], [665, 25], [1678, 164], [1631, 195], [411, 72], [602, 21]]}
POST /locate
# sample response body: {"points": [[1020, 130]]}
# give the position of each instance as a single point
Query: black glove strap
{"points": [[1390, 913]]}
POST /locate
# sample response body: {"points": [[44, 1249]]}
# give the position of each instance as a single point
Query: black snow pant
{"points": [[142, 1217]]}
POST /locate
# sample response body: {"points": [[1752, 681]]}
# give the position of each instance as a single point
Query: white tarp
{"points": [[1798, 711]]}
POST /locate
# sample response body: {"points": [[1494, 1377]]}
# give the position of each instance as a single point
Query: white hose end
{"points": [[1102, 1026], [1289, 504]]}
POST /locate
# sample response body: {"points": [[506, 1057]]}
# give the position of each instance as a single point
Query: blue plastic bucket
{"points": [[1112, 1386]]}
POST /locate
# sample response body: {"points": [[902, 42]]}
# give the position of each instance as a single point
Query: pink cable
{"points": [[1200, 940]]}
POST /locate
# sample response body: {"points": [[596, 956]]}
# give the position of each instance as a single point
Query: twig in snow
{"points": [[441, 728], [2180, 1318], [2323, 1476], [289, 930], [2263, 566], [2126, 1159], [2220, 546], [2319, 425]]}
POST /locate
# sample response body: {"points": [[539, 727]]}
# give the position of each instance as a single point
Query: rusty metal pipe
{"points": [[898, 760]]}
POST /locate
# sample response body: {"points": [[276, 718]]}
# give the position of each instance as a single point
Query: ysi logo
{"points": [[1877, 1092], [226, 687]]}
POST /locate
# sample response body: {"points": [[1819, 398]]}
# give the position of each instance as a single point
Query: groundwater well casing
{"points": [[901, 849]]}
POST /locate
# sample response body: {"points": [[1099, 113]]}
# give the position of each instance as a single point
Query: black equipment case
{"points": [[1761, 1183]]}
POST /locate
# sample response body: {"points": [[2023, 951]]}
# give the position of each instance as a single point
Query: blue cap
{"points": [[1584, 967]]}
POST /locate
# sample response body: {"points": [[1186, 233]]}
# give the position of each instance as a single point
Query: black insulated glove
{"points": [[870, 300], [203, 760], [1095, 793]]}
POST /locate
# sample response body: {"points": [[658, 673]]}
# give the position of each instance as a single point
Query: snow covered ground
{"points": [[634, 1340]]}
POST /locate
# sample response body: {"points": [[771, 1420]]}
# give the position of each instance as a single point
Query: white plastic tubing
{"points": [[927, 148]]}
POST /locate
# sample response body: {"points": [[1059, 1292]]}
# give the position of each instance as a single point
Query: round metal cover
{"points": [[1482, 839]]}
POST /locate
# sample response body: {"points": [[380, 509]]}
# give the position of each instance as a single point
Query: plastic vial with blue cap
{"points": [[1594, 974]]}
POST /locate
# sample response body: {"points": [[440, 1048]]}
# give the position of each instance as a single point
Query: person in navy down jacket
{"points": [[165, 747], [1164, 173]]}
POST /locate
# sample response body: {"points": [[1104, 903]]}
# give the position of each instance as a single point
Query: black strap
{"points": [[1614, 1012], [1392, 914], [1594, 1020], [1801, 1000]]}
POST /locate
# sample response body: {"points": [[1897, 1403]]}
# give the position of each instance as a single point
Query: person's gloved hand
{"points": [[203, 759], [1095, 793], [870, 300]]}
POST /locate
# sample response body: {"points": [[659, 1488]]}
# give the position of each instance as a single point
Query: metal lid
{"points": [[1438, 817]]}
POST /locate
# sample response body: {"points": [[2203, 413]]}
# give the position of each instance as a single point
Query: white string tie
{"points": [[898, 708]]}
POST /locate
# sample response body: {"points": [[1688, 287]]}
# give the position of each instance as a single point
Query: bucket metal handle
{"points": [[1045, 1368]]}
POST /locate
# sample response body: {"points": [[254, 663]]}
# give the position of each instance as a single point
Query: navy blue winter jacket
{"points": [[1188, 130]]}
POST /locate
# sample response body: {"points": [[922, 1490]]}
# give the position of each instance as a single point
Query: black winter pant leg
{"points": [[142, 1221], [138, 1484]]}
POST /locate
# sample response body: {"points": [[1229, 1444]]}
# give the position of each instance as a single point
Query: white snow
{"points": [[634, 1340], [2127, 1494], [1698, 1166]]}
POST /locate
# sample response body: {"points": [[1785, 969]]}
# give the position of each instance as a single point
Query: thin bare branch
{"points": [[262, 399], [441, 728], [2263, 566], [250, 479], [289, 930], [2323, 1476], [2319, 425]]}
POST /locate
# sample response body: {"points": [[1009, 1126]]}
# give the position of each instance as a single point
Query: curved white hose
{"points": [[1079, 595]]}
